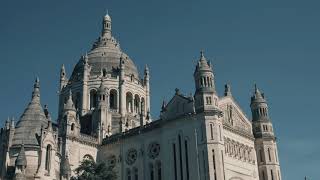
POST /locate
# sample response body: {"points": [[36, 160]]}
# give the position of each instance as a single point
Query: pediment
{"points": [[177, 106], [234, 117]]}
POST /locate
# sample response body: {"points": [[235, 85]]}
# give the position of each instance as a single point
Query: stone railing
{"points": [[88, 138]]}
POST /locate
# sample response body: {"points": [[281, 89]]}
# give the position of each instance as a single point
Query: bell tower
{"points": [[265, 140], [209, 115], [205, 95]]}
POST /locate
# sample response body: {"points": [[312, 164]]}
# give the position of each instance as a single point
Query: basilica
{"points": [[104, 115]]}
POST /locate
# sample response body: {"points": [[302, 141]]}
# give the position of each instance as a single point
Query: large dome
{"points": [[105, 56]]}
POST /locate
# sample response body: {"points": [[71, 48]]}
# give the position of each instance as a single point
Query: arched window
{"points": [[128, 174], [211, 130], [48, 158], [263, 175], [113, 99], [143, 107], [261, 155], [151, 172], [129, 103], [269, 154], [186, 151], [72, 126], [159, 170], [136, 173], [136, 104], [93, 98], [104, 70]]}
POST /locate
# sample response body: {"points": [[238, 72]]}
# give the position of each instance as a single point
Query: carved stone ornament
{"points": [[112, 160], [131, 156], [154, 150]]}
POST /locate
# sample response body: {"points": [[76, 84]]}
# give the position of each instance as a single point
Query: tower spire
{"points": [[36, 91], [69, 105], [263, 132], [205, 96], [106, 26], [63, 77]]}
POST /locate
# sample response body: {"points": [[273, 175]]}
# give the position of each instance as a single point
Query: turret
{"points": [[106, 26], [63, 77], [265, 141], [48, 116], [121, 87], [20, 165], [101, 113], [31, 120], [70, 124], [86, 74], [147, 86], [102, 95], [205, 95], [262, 126], [7, 124]]}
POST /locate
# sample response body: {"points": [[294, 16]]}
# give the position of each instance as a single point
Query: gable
{"points": [[177, 106], [233, 116]]}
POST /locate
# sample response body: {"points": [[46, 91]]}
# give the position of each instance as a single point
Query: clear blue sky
{"points": [[274, 43]]}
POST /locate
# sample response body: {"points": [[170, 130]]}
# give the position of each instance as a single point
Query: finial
{"points": [[146, 70], [163, 105], [148, 115], [177, 91], [202, 53], [255, 87], [202, 58], [107, 16], [36, 91], [227, 90], [46, 111], [37, 82], [85, 58], [62, 68]]}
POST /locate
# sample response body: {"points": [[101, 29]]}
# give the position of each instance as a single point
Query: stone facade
{"points": [[104, 115]]}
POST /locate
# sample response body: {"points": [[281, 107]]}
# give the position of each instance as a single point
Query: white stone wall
{"points": [[77, 151], [165, 136]]}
